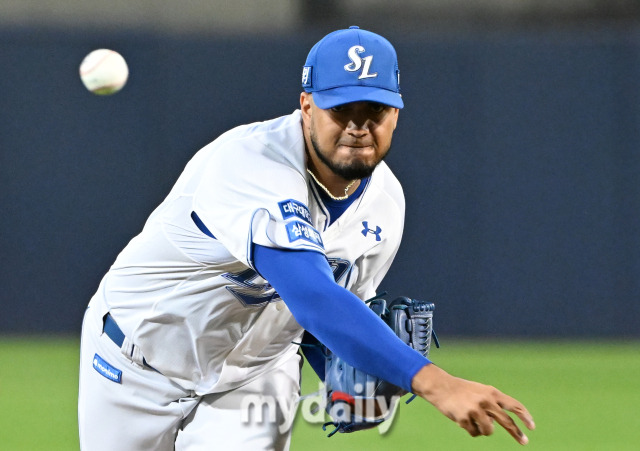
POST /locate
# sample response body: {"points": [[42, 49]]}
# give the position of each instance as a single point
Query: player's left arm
{"points": [[312, 350]]}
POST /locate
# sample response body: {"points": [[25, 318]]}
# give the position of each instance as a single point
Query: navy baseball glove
{"points": [[356, 400]]}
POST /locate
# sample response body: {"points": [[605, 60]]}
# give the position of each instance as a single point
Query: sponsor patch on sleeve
{"points": [[301, 231], [108, 371], [290, 208]]}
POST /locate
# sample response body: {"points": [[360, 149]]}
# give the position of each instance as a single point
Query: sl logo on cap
{"points": [[357, 62]]}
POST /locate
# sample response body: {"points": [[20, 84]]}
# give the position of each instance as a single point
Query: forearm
{"points": [[352, 331], [335, 316]]}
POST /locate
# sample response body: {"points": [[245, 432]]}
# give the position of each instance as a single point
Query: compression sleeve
{"points": [[337, 317], [313, 353]]}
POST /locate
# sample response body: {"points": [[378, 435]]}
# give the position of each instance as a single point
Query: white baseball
{"points": [[104, 72]]}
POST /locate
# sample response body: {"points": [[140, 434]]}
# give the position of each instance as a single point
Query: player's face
{"points": [[350, 139]]}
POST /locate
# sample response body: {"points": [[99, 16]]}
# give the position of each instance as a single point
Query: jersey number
{"points": [[250, 293]]}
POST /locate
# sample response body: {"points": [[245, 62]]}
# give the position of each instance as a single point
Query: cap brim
{"points": [[330, 98]]}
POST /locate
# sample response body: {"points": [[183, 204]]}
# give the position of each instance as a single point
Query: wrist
{"points": [[427, 379]]}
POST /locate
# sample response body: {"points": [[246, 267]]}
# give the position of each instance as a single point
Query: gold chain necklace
{"points": [[346, 196]]}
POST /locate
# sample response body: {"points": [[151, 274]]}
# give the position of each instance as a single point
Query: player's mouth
{"points": [[358, 148]]}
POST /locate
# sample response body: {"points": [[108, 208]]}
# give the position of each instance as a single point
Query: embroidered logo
{"points": [[367, 230], [291, 207], [300, 231], [108, 371], [357, 62]]}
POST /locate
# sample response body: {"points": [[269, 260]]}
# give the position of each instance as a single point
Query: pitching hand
{"points": [[472, 405]]}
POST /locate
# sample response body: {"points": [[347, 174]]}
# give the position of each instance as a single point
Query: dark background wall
{"points": [[518, 151]]}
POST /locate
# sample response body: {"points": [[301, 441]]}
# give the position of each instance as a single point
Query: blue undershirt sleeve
{"points": [[335, 316], [311, 348]]}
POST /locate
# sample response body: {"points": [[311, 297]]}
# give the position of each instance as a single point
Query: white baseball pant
{"points": [[140, 409]]}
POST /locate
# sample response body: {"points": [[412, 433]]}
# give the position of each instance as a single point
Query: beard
{"points": [[356, 169]]}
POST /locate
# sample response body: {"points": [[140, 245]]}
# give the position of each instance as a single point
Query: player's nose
{"points": [[358, 126]]}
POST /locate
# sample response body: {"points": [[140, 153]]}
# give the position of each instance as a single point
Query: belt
{"points": [[113, 331]]}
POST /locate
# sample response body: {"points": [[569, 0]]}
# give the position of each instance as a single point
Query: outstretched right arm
{"points": [[348, 327]]}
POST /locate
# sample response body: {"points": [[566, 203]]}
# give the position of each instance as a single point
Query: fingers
{"points": [[470, 426], [472, 405], [480, 422], [504, 420], [511, 405]]}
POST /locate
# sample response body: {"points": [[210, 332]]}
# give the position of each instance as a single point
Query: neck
{"points": [[336, 187], [347, 189]]}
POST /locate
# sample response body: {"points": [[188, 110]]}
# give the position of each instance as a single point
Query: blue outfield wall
{"points": [[518, 152]]}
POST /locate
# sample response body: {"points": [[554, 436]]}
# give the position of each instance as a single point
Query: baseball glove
{"points": [[356, 400]]}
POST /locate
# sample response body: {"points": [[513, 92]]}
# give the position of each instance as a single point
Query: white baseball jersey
{"points": [[193, 304]]}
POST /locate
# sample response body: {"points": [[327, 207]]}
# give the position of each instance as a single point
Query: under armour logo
{"points": [[357, 62], [367, 230]]}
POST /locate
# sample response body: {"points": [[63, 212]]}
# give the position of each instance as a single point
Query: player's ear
{"points": [[306, 103]]}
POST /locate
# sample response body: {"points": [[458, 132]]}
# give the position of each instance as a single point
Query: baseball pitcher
{"points": [[275, 233]]}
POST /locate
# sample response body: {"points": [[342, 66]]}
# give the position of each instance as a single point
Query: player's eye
{"points": [[377, 107], [338, 109]]}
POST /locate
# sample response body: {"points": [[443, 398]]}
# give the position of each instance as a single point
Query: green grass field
{"points": [[583, 396]]}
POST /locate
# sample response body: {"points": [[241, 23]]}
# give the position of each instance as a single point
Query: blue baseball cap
{"points": [[352, 65]]}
